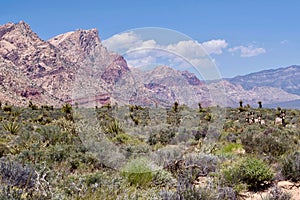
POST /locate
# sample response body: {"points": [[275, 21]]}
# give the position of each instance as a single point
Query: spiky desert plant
{"points": [[113, 128], [12, 126], [67, 110], [259, 104]]}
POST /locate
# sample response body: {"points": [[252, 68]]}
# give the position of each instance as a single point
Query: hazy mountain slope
{"points": [[268, 95], [287, 79], [295, 104]]}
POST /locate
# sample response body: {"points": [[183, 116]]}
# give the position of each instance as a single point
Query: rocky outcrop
{"points": [[191, 78], [115, 71]]}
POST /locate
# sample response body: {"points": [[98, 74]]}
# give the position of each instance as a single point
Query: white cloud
{"points": [[139, 52], [130, 40], [284, 42], [188, 49], [125, 42], [122, 42], [215, 46], [248, 51]]}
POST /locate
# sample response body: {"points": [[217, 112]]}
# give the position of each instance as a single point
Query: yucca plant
{"points": [[11, 126], [113, 128]]}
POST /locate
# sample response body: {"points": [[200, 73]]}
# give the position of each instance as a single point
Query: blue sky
{"points": [[241, 36]]}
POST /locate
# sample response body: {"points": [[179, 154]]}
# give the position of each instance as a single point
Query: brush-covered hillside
{"points": [[134, 152]]}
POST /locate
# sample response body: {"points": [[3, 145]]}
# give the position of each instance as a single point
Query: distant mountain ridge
{"points": [[76, 67], [295, 104], [287, 79]]}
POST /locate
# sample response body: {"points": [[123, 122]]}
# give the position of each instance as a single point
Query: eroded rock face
{"points": [[115, 71], [75, 66], [191, 78], [52, 66]]}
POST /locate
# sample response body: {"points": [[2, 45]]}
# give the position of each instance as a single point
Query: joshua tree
{"points": [[32, 106], [241, 103], [259, 104], [175, 106], [241, 108], [200, 106], [174, 116], [67, 110]]}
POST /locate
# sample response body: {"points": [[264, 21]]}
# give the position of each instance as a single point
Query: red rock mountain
{"points": [[49, 69], [76, 67]]}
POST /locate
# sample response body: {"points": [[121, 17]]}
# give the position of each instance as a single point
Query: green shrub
{"points": [[231, 148], [250, 171], [139, 115], [52, 134], [137, 149], [93, 179], [163, 178], [124, 138], [208, 117], [164, 136], [138, 172], [58, 153], [271, 142], [291, 166]]}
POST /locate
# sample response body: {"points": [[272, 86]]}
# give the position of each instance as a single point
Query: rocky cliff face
{"points": [[53, 66], [167, 84], [76, 67]]}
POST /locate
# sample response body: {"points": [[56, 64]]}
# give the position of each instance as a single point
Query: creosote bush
{"points": [[138, 172], [270, 141], [164, 136], [250, 171]]}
